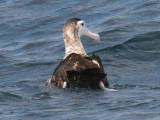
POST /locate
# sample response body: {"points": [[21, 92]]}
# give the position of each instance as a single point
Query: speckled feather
{"points": [[84, 74]]}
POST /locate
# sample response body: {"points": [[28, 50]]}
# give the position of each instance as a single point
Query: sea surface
{"points": [[31, 46]]}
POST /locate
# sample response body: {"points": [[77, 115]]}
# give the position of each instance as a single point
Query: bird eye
{"points": [[82, 24]]}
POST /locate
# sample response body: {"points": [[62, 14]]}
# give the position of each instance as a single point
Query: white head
{"points": [[83, 31]]}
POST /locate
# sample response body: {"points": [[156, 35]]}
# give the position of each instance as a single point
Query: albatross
{"points": [[77, 69]]}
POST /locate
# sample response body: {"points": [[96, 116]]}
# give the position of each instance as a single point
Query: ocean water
{"points": [[31, 46]]}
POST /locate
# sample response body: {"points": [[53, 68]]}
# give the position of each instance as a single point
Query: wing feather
{"points": [[79, 71]]}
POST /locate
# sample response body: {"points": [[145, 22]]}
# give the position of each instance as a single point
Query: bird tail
{"points": [[106, 89]]}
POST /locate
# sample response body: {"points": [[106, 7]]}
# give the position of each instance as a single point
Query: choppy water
{"points": [[31, 45]]}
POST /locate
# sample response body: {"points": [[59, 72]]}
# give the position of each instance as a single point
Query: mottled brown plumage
{"points": [[79, 71]]}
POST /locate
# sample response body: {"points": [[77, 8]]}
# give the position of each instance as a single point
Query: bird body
{"points": [[77, 69]]}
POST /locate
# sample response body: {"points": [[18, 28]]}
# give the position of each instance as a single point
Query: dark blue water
{"points": [[31, 46]]}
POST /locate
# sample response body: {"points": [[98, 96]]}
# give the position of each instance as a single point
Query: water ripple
{"points": [[31, 46]]}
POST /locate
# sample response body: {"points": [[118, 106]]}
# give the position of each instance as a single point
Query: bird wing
{"points": [[79, 71]]}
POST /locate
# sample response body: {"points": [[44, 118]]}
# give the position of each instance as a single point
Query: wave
{"points": [[9, 97], [35, 45], [147, 43], [33, 64]]}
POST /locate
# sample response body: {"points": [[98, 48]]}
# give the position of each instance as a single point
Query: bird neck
{"points": [[73, 44]]}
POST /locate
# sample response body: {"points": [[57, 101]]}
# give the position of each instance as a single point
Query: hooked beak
{"points": [[92, 35]]}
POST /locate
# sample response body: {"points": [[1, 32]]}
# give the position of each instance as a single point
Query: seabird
{"points": [[77, 69]]}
